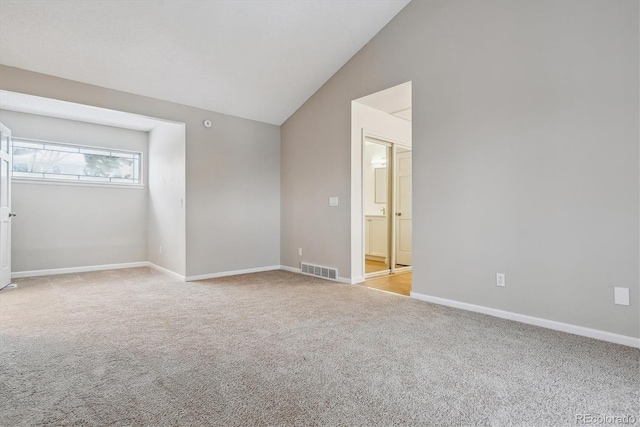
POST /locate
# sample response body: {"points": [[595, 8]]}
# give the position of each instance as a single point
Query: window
{"points": [[44, 160]]}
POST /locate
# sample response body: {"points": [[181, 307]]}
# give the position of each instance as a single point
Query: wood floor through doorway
{"points": [[399, 283]]}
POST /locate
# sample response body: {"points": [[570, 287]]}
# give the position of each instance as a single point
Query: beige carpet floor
{"points": [[135, 347]]}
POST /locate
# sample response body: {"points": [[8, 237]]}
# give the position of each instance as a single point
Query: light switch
{"points": [[333, 201], [621, 296]]}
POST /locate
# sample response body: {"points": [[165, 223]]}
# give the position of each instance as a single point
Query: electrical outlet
{"points": [[500, 279], [300, 251], [160, 250]]}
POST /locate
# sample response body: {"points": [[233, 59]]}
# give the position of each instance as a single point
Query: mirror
{"points": [[381, 185]]}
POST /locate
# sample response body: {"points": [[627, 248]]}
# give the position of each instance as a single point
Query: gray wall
{"points": [[525, 139], [315, 164], [66, 225], [233, 172], [237, 167], [166, 214]]}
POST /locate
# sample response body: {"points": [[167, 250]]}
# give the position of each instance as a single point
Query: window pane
{"points": [[92, 151], [27, 144], [136, 169], [70, 162], [123, 155], [56, 147]]}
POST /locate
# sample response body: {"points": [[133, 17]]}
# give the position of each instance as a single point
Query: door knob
{"points": [[12, 214], [398, 213]]}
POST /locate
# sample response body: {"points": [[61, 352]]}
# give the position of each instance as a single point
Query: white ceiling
{"points": [[396, 100], [24, 103], [258, 59]]}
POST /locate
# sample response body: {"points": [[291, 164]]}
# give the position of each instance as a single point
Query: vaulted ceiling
{"points": [[257, 59]]}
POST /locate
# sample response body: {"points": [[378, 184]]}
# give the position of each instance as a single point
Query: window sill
{"points": [[76, 183]]}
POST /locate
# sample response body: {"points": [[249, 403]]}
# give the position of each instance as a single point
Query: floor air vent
{"points": [[317, 270]]}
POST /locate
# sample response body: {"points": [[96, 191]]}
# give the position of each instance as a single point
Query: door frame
{"points": [[6, 280], [391, 204], [395, 192]]}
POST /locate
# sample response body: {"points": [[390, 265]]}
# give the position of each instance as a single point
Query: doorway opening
{"points": [[386, 191], [381, 190]]}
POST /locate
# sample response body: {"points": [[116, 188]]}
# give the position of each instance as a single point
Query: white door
{"points": [[5, 206], [403, 207]]}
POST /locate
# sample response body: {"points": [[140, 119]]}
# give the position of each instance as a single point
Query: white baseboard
{"points": [[535, 321], [232, 273], [166, 271], [291, 269], [357, 280], [34, 273], [70, 270]]}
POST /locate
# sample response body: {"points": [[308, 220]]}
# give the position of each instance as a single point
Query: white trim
{"points": [[53, 271], [386, 292], [380, 273], [34, 273], [291, 269], [166, 271], [392, 198], [39, 181], [344, 280], [535, 321], [357, 280], [232, 273], [372, 134]]}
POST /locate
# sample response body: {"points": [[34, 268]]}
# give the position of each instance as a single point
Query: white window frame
{"points": [[87, 181]]}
